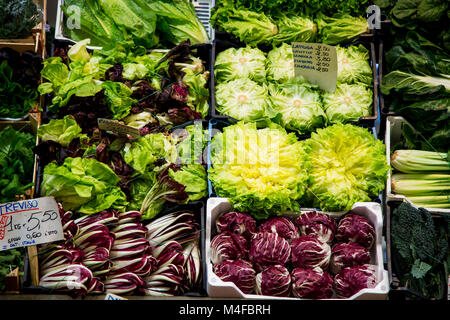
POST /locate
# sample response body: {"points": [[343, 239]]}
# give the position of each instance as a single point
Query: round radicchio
{"points": [[356, 228], [317, 223], [274, 281], [281, 225], [348, 254], [310, 252], [311, 283], [238, 271], [237, 222], [353, 279], [228, 246], [268, 248]]}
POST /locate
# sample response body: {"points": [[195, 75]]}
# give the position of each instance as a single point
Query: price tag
{"points": [[112, 296], [316, 62], [117, 127], [29, 222]]}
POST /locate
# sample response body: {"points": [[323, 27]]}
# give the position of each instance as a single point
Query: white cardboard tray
{"points": [[393, 135], [202, 7], [221, 289]]}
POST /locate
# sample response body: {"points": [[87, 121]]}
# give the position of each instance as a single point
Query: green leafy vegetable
{"points": [[83, 185], [299, 105], [280, 64], [337, 29], [353, 65], [62, 131], [260, 171], [193, 177], [294, 28], [347, 103], [17, 18], [240, 63], [357, 171]]}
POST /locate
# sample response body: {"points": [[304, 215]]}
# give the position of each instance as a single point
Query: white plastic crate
{"points": [[220, 289], [203, 9], [394, 125]]}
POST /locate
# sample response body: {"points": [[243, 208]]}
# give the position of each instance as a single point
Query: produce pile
{"points": [[114, 252], [148, 23], [271, 23], [17, 18], [252, 85], [269, 171], [19, 80], [308, 255]]}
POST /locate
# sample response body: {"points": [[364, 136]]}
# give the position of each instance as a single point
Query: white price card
{"points": [[316, 62], [112, 296], [117, 127], [29, 222]]}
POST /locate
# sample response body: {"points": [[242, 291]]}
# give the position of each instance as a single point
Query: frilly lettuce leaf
{"points": [[300, 106], [348, 103], [194, 178], [236, 63], [260, 171], [346, 164], [243, 99]]}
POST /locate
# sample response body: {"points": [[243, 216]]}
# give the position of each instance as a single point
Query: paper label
{"points": [[29, 222], [316, 62], [112, 296], [117, 127]]}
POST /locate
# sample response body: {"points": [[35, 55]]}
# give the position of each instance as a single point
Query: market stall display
{"points": [[279, 150]]}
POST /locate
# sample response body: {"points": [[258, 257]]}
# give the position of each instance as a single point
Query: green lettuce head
{"points": [[260, 171], [280, 64], [243, 99], [62, 131], [294, 28], [356, 172], [348, 103], [353, 65], [236, 63], [299, 105], [194, 178], [83, 185]]}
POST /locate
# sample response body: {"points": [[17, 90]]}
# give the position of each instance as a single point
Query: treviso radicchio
{"points": [[238, 271], [274, 280], [317, 223], [237, 222], [311, 283], [268, 248], [310, 252], [348, 254], [353, 279], [281, 225], [356, 228], [228, 246]]}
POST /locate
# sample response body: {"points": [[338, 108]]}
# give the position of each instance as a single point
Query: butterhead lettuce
{"points": [[193, 177], [260, 171], [62, 131], [299, 105], [346, 164], [347, 103], [243, 99], [237, 63], [83, 185]]}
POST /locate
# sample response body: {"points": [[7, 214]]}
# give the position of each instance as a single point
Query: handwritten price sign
{"points": [[29, 222], [316, 62]]}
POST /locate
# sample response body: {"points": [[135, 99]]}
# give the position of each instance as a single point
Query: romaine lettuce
{"points": [[299, 105], [237, 63], [347, 103], [243, 99], [294, 28], [346, 164]]}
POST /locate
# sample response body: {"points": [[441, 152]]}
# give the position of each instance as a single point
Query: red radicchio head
{"points": [[268, 248], [356, 228], [237, 222], [274, 281], [318, 223], [311, 283], [310, 252], [348, 254], [281, 225], [353, 279], [228, 246], [238, 271]]}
